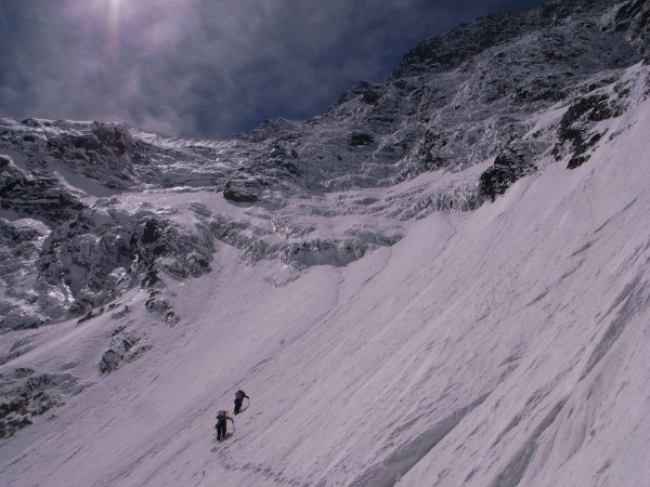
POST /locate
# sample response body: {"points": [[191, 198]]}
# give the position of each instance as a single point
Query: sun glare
{"points": [[113, 26]]}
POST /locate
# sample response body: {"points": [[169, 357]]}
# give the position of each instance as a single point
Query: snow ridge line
{"points": [[403, 459], [635, 298], [512, 474]]}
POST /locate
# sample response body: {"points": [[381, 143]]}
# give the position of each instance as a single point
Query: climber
{"points": [[239, 399], [222, 418]]}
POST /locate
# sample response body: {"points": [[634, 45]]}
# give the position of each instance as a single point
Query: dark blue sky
{"points": [[207, 69]]}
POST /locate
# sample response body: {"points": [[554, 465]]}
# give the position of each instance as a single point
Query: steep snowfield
{"points": [[506, 346]]}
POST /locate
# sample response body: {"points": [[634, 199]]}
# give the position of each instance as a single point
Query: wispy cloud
{"points": [[205, 68]]}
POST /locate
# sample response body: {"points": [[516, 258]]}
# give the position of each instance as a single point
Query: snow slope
{"points": [[501, 347]]}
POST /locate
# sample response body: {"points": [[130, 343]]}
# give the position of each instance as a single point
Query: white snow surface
{"points": [[501, 347]]}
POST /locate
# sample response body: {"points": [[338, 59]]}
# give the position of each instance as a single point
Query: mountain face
{"points": [[454, 102], [91, 210]]}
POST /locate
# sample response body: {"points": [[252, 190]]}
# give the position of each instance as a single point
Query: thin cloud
{"points": [[204, 68]]}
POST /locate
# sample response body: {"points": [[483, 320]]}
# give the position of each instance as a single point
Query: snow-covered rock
{"points": [[455, 101]]}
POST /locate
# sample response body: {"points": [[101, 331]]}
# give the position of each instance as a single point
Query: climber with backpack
{"points": [[239, 399], [222, 418]]}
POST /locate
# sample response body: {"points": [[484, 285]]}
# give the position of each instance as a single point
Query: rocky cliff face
{"points": [[82, 211]]}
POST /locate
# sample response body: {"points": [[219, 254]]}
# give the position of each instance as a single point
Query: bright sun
{"points": [[113, 26], [113, 9]]}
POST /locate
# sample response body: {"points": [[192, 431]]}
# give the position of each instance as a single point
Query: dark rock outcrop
{"points": [[35, 194], [125, 348], [512, 164], [575, 133], [25, 395]]}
